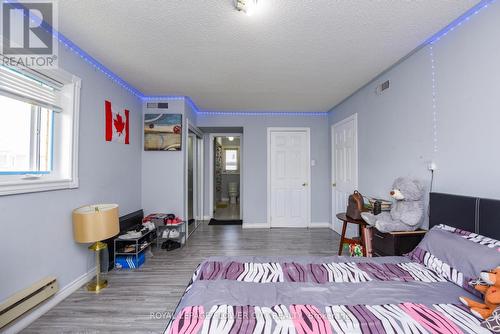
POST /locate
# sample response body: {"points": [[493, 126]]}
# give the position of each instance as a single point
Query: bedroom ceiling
{"points": [[304, 55]]}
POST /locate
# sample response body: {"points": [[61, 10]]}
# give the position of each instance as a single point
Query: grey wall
{"points": [[190, 113], [163, 172], [37, 232], [396, 129], [253, 190]]}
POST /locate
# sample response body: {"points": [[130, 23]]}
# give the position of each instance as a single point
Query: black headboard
{"points": [[472, 214]]}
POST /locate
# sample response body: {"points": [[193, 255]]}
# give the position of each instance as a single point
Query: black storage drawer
{"points": [[395, 243], [383, 243]]}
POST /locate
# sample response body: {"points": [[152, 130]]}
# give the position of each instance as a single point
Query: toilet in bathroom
{"points": [[232, 190]]}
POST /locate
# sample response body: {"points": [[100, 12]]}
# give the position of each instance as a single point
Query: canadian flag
{"points": [[117, 124]]}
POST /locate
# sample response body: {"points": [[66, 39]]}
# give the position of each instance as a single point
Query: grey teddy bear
{"points": [[407, 213]]}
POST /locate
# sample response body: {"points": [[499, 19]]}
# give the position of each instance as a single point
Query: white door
{"points": [[289, 177], [344, 167]]}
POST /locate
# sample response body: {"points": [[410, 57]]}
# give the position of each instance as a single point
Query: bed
{"points": [[343, 294]]}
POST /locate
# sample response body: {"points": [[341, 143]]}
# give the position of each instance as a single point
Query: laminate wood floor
{"points": [[132, 296]]}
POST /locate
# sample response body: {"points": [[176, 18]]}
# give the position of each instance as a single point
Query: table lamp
{"points": [[93, 223]]}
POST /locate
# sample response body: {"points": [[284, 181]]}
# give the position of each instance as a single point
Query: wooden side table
{"points": [[361, 226]]}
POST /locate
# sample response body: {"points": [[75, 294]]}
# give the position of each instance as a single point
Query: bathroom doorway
{"points": [[226, 177]]}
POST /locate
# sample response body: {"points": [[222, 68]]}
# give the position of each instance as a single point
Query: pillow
{"points": [[493, 322], [457, 255]]}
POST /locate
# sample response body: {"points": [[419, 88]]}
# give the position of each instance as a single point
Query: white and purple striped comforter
{"points": [[320, 295]]}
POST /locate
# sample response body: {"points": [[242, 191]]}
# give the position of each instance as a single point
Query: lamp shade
{"points": [[92, 223]]}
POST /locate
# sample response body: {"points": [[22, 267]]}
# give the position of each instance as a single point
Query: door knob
{"points": [[304, 184]]}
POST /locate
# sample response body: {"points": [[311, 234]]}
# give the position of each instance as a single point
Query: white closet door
{"points": [[345, 167]]}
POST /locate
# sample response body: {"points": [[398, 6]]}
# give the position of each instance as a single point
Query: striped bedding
{"points": [[320, 295]]}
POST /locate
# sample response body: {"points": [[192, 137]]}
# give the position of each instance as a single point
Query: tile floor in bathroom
{"points": [[231, 212]]}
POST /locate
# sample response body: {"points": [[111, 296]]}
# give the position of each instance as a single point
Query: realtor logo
{"points": [[27, 33]]}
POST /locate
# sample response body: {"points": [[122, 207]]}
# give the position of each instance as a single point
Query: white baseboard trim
{"points": [[266, 225], [320, 225], [24, 321], [207, 217], [255, 225]]}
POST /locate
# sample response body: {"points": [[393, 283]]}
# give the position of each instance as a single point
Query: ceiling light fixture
{"points": [[249, 7], [230, 138]]}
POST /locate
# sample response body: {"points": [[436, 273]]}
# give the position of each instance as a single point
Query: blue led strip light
{"points": [[189, 101], [459, 21], [97, 65], [77, 50], [262, 113], [115, 78], [160, 97]]}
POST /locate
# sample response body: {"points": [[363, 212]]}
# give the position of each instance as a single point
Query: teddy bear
{"points": [[407, 213], [491, 291]]}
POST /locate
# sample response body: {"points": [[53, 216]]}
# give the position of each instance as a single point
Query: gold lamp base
{"points": [[98, 284]]}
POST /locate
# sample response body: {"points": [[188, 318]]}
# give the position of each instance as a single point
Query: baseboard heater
{"points": [[26, 299]]}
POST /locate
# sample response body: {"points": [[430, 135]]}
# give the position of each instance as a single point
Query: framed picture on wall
{"points": [[162, 132]]}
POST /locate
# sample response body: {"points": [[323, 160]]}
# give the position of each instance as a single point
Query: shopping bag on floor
{"points": [[356, 250]]}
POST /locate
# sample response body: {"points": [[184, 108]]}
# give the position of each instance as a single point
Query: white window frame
{"points": [[64, 174]]}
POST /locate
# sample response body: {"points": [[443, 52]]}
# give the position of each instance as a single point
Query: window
{"points": [[231, 159], [25, 137], [38, 130]]}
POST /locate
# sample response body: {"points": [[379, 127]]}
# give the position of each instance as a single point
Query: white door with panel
{"points": [[344, 168], [289, 177]]}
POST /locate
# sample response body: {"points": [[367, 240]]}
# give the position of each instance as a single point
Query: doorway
{"points": [[344, 168], [289, 177], [226, 171]]}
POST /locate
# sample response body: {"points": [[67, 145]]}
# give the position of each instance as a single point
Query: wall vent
{"points": [[383, 86], [157, 105], [25, 300]]}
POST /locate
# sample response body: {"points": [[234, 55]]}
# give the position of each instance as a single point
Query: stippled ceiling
{"points": [[293, 55]]}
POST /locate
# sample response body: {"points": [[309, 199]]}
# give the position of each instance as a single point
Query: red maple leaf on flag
{"points": [[119, 124]]}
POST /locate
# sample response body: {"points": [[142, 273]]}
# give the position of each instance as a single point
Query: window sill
{"points": [[36, 185]]}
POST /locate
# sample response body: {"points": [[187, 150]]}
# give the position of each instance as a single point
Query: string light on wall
{"points": [[434, 99], [431, 42]]}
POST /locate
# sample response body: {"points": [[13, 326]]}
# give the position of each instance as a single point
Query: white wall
{"points": [[37, 233], [396, 135], [253, 188]]}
